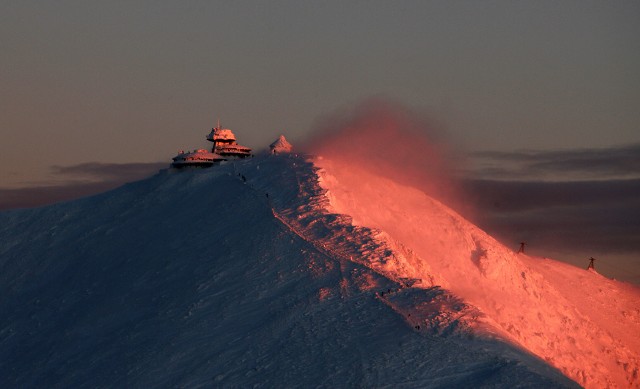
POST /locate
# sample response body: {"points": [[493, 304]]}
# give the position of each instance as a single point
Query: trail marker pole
{"points": [[521, 249]]}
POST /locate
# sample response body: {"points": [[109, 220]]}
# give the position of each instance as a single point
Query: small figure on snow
{"points": [[591, 264], [521, 249]]}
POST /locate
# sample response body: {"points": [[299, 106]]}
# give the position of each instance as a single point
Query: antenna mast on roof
{"points": [[218, 123]]}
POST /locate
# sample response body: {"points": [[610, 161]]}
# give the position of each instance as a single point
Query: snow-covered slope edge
{"points": [[199, 279], [578, 321], [418, 296]]}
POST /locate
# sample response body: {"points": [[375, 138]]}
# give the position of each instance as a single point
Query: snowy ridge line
{"points": [[306, 214], [556, 331], [307, 217], [320, 247], [317, 202], [431, 308], [529, 305]]}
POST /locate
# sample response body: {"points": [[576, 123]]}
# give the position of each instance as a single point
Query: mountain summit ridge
{"points": [[240, 275]]}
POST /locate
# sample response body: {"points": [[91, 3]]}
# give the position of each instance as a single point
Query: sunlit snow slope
{"points": [[580, 322], [242, 276]]}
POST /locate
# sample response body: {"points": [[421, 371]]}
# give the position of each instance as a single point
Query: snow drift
{"points": [[580, 322], [281, 271]]}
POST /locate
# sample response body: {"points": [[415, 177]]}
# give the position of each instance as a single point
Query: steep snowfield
{"points": [[578, 321], [242, 275]]}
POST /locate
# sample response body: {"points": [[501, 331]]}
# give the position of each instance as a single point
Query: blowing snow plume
{"points": [[394, 142], [383, 175]]}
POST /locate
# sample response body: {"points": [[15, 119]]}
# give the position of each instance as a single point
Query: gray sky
{"points": [[134, 81], [543, 97]]}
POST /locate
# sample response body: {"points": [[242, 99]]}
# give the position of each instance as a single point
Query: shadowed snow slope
{"points": [[580, 322], [240, 276]]}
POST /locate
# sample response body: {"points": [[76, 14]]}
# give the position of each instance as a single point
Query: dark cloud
{"points": [[518, 196], [109, 171], [80, 181], [543, 197], [618, 162], [573, 219], [35, 196], [568, 204]]}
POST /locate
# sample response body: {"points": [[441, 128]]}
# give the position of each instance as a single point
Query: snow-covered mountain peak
{"points": [[284, 271]]}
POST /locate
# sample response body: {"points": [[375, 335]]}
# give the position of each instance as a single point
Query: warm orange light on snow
{"points": [[576, 320], [394, 142]]}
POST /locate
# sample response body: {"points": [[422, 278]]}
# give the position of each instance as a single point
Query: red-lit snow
{"points": [[250, 274], [584, 324]]}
